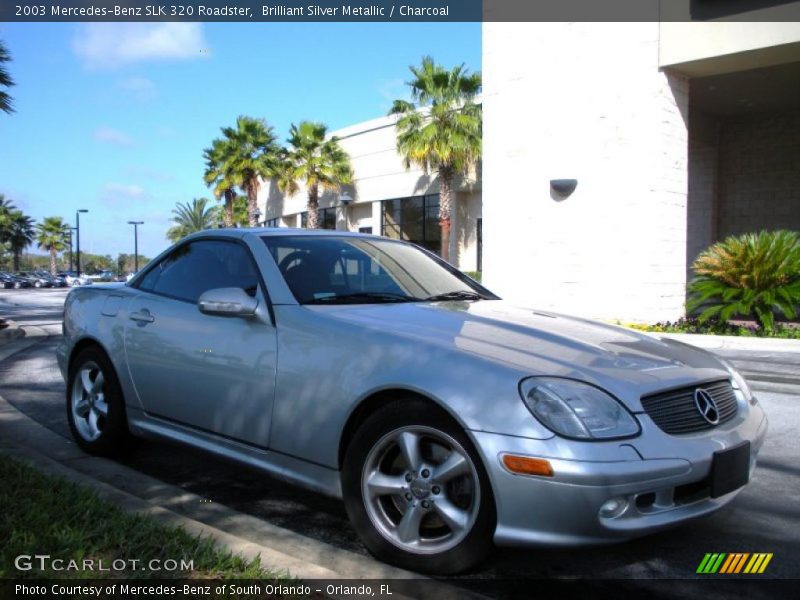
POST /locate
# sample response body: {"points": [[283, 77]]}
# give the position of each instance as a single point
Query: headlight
{"points": [[740, 385], [575, 409]]}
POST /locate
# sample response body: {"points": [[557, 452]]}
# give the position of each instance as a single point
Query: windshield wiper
{"points": [[457, 295], [362, 298]]}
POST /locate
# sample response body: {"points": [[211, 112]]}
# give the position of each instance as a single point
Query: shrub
{"points": [[476, 275], [752, 275]]}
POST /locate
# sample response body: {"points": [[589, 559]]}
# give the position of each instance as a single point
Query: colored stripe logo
{"points": [[734, 563]]}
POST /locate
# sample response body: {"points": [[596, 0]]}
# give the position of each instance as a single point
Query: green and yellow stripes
{"points": [[734, 562]]}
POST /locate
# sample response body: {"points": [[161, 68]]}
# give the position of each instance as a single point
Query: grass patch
{"points": [[718, 328], [48, 515]]}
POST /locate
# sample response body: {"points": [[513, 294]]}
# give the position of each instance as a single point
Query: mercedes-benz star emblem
{"points": [[706, 406]]}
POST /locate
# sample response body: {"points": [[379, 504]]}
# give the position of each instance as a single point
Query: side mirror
{"points": [[227, 302]]}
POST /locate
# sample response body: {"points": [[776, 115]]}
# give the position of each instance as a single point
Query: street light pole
{"points": [[135, 244], [78, 239], [71, 229]]}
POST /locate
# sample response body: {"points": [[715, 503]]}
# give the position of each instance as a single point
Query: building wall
{"points": [[702, 205], [584, 101], [705, 48], [760, 174]]}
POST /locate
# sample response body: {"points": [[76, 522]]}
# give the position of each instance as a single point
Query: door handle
{"points": [[142, 317]]}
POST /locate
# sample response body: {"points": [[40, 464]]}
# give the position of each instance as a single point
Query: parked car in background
{"points": [[35, 280], [57, 280], [103, 276], [446, 418], [16, 282], [72, 279]]}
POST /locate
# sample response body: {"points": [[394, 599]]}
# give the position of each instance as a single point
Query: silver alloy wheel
{"points": [[89, 406], [420, 489]]}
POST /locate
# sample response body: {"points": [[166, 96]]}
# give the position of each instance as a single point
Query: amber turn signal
{"points": [[525, 465]]}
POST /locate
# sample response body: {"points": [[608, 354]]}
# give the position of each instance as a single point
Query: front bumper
{"points": [[658, 478]]}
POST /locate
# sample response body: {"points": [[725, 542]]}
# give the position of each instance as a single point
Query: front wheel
{"points": [[417, 492], [95, 405]]}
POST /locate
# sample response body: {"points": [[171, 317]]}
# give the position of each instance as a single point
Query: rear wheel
{"points": [[95, 405], [416, 490]]}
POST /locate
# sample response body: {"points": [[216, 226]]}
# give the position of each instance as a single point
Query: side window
{"points": [[201, 266]]}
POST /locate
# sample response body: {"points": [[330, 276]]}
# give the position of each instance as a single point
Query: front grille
{"points": [[675, 411]]}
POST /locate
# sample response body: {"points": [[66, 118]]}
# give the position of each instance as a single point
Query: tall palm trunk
{"points": [[16, 259], [445, 208], [53, 266], [227, 216], [313, 207], [252, 201]]}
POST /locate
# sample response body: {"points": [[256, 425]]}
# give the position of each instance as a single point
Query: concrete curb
{"points": [[30, 335], [280, 549], [10, 333], [731, 342]]}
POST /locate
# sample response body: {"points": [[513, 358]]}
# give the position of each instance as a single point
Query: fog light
{"points": [[613, 508]]}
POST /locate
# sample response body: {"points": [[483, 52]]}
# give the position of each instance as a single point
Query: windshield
{"points": [[360, 270]]}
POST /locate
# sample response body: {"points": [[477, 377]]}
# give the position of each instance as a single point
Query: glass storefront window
{"points": [[414, 220], [325, 216]]}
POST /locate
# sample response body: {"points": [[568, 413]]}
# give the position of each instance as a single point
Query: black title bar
{"points": [[400, 11]]}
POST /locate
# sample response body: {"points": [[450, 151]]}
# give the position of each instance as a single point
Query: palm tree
{"points": [[20, 234], [217, 176], [190, 217], [247, 154], [6, 81], [239, 213], [51, 235], [5, 203], [317, 162], [6, 206], [441, 129]]}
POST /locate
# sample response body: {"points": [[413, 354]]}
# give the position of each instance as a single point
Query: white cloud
{"points": [[111, 136], [391, 90], [148, 173], [117, 194], [111, 45], [139, 88], [165, 132]]}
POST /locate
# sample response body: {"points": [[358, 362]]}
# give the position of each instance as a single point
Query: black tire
{"points": [[413, 412], [113, 437]]}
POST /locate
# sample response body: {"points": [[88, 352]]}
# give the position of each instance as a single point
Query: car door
{"points": [[215, 373]]}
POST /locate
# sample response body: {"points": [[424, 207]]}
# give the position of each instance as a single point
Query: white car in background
{"points": [[75, 280]]}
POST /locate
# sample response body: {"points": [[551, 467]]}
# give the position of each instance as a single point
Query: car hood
{"points": [[627, 363]]}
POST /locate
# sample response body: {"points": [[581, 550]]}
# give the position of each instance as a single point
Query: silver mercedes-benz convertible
{"points": [[370, 370]]}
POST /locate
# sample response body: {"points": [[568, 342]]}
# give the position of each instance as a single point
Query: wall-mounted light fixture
{"points": [[345, 199], [561, 189]]}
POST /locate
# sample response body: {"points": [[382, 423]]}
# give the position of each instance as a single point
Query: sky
{"points": [[114, 117]]}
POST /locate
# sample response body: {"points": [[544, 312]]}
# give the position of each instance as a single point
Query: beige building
{"points": [[385, 197], [678, 134]]}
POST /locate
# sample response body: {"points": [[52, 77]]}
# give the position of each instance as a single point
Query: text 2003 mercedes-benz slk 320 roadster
{"points": [[446, 419]]}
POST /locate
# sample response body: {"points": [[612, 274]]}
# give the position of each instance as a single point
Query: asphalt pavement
{"points": [[765, 517]]}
